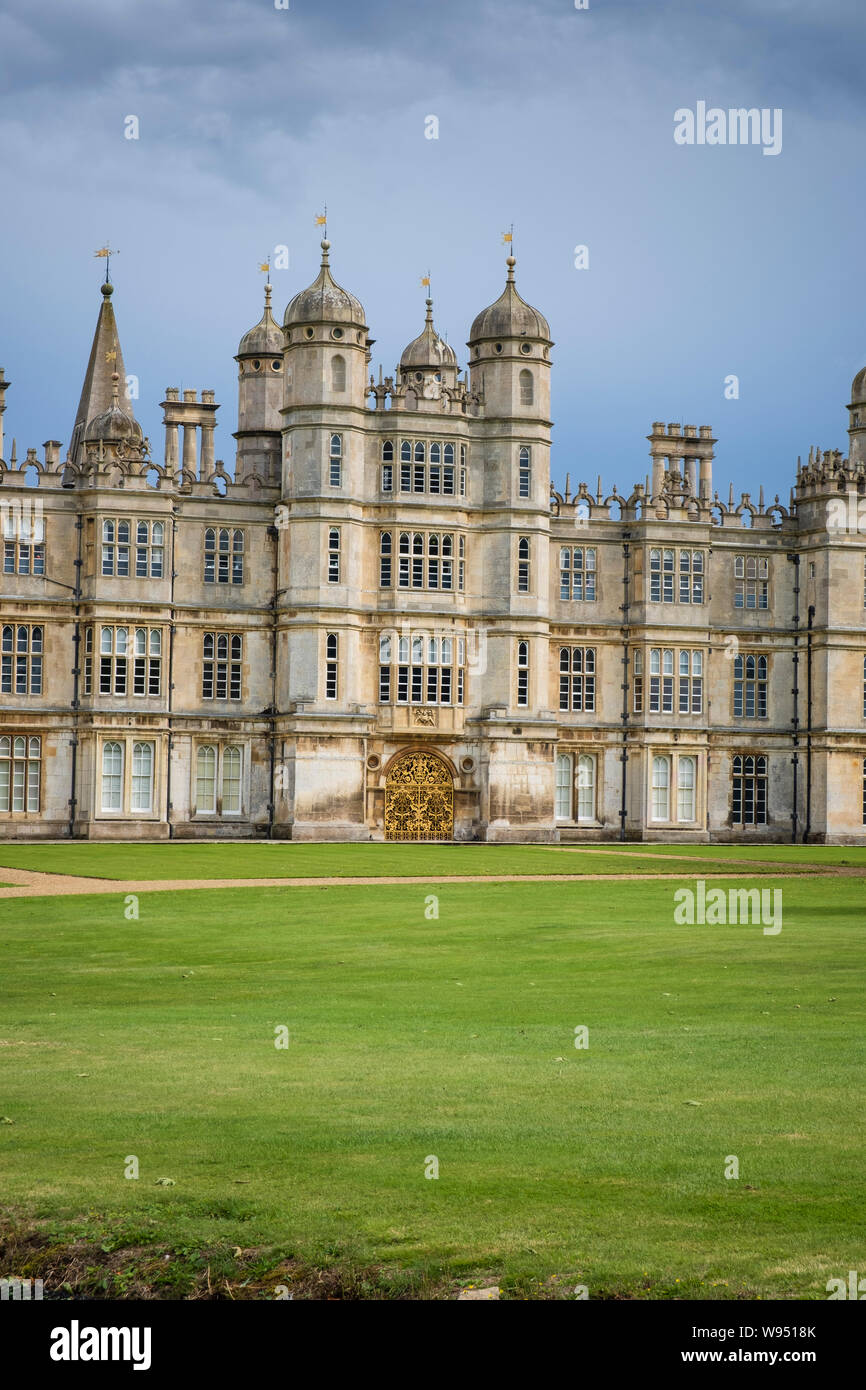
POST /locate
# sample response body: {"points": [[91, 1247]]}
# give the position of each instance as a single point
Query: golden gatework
{"points": [[419, 799]]}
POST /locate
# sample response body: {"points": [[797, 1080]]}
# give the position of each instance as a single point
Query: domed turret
{"points": [[325, 301], [857, 419], [261, 378], [265, 339], [113, 424], [428, 364], [510, 316], [428, 351], [509, 356]]}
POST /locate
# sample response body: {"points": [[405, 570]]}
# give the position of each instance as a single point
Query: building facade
{"points": [[384, 623]]}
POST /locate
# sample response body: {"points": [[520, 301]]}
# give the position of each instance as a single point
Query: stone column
{"points": [[207, 459], [171, 442], [190, 461]]}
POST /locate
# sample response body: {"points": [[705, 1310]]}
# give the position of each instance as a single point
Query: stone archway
{"points": [[419, 798]]}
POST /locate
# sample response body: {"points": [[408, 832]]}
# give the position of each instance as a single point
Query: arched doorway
{"points": [[419, 798]]}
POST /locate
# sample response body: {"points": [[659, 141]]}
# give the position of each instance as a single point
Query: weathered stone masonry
{"points": [[386, 574]]}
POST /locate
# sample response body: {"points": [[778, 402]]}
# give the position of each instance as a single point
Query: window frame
{"points": [[24, 751]]}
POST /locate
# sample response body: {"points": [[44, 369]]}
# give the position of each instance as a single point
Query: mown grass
{"points": [[820, 855], [279, 859], [413, 1037]]}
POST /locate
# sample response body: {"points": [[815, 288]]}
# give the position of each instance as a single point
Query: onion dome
{"points": [[428, 350], [114, 424], [325, 301], [510, 316], [266, 338]]}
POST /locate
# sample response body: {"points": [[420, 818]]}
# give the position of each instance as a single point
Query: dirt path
{"points": [[24, 883], [710, 858]]}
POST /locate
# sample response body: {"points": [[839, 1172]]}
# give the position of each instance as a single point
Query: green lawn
{"points": [[827, 855], [279, 859], [453, 1037]]}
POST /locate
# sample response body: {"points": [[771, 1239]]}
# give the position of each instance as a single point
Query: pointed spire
{"points": [[731, 495], [106, 358]]}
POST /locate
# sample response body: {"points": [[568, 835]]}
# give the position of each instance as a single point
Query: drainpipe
{"points": [[795, 722], [273, 535], [171, 631], [624, 609], [76, 672], [808, 826]]}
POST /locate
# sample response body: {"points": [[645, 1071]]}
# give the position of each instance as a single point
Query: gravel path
{"points": [[24, 883]]}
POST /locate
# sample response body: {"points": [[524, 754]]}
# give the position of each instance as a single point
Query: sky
{"points": [[703, 261]]}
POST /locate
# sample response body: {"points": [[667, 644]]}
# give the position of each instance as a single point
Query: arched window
{"points": [[331, 654], [20, 773], [338, 373], [385, 572], [661, 789], [388, 451], [335, 474], [523, 576], [237, 557], [527, 387], [523, 673], [524, 473], [586, 787], [686, 779], [205, 779], [564, 786], [112, 776], [231, 781], [333, 556], [142, 777], [210, 555]]}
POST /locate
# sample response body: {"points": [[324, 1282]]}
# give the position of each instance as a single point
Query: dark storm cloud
{"points": [[702, 262]]}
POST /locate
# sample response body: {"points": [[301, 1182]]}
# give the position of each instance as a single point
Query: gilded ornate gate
{"points": [[419, 799]]}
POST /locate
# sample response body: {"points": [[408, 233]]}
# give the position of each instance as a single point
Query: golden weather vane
{"points": [[106, 252]]}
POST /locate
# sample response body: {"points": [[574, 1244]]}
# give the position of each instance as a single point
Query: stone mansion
{"points": [[383, 623]]}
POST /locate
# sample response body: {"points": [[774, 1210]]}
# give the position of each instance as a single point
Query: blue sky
{"points": [[703, 261]]}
